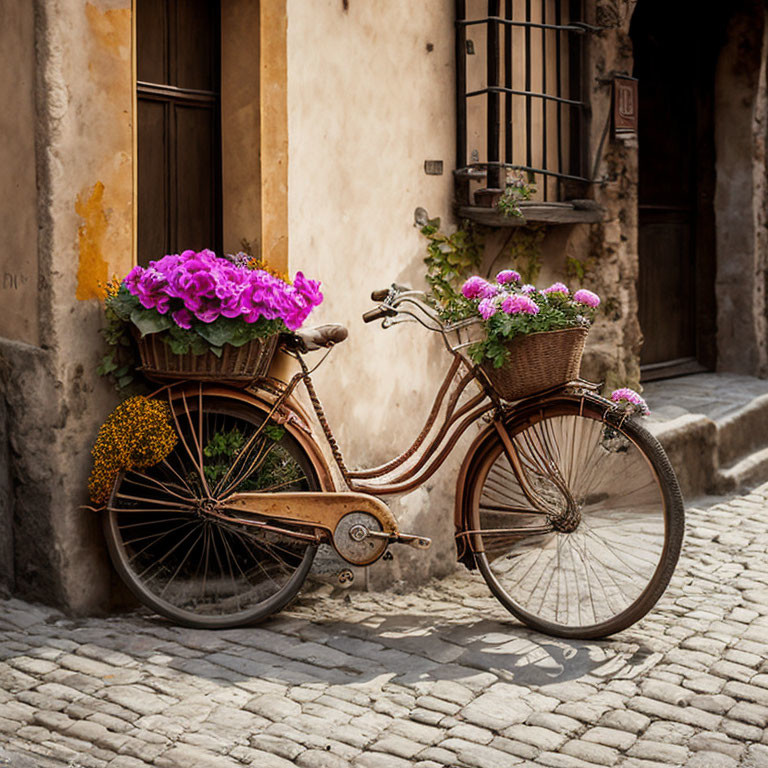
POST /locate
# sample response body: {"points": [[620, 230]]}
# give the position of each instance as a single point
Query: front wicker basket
{"points": [[537, 362], [236, 364]]}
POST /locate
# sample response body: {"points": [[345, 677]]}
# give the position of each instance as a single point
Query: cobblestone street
{"points": [[442, 677]]}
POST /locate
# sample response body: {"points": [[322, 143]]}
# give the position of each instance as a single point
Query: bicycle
{"points": [[570, 510]]}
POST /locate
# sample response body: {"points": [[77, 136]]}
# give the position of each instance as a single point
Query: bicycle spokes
{"points": [[584, 574]]}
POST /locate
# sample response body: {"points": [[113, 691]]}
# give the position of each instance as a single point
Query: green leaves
{"points": [[450, 260], [218, 333], [150, 321]]}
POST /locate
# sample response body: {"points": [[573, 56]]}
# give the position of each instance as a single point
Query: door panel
{"points": [[195, 177], [153, 191]]}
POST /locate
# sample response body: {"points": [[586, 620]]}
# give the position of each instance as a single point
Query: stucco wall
{"points": [[84, 219], [18, 196], [370, 98]]}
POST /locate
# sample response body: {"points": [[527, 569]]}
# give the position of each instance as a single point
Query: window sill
{"points": [[578, 212]]}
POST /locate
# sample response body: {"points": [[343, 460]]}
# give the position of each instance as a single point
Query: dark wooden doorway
{"points": [[675, 49], [179, 144]]}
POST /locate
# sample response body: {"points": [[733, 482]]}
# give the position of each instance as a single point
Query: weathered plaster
{"points": [[18, 194], [55, 401], [367, 104]]}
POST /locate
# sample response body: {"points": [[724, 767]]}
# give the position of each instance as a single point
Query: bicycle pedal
{"points": [[417, 542]]}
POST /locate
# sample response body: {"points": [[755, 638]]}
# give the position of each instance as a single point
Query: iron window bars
{"points": [[537, 45]]}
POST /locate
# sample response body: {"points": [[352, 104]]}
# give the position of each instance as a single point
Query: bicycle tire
{"points": [[225, 575], [628, 538]]}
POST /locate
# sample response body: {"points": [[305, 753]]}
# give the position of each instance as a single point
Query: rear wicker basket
{"points": [[537, 362], [236, 364]]}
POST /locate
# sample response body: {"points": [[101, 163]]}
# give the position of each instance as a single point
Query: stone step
{"points": [[690, 442], [714, 428], [743, 432], [750, 470]]}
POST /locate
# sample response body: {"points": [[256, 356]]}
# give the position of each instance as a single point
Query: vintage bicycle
{"points": [[569, 509]]}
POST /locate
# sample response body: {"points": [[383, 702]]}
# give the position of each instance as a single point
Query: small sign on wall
{"points": [[625, 108]]}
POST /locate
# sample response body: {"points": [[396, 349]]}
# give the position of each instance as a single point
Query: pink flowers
{"points": [[556, 288], [587, 297], [204, 287], [517, 304], [625, 396], [487, 308], [554, 305], [508, 276], [473, 287], [505, 308], [476, 287]]}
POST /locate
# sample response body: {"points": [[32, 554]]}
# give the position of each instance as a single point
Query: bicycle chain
{"points": [[335, 450]]}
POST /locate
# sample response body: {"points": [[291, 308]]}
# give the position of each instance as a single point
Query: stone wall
{"points": [[603, 256], [740, 193]]}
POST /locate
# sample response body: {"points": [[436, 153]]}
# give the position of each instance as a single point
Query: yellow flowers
{"points": [[137, 434], [255, 263], [112, 287]]}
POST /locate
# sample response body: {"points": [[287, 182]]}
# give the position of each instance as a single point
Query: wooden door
{"points": [[179, 145], [674, 52]]}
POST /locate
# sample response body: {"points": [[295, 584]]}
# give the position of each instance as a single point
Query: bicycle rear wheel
{"points": [[182, 561], [606, 567]]}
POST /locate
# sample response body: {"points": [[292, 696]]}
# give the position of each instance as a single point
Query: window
{"points": [[178, 126], [520, 104]]}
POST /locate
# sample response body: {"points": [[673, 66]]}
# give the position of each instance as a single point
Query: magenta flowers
{"points": [[203, 286], [487, 308]]}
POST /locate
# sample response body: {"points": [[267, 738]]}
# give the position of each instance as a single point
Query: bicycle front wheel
{"points": [[607, 497], [187, 564]]}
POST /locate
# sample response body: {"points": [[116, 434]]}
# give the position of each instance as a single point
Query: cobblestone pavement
{"points": [[441, 677]]}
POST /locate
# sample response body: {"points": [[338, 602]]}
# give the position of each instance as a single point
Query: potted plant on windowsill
{"points": [[531, 340], [202, 316]]}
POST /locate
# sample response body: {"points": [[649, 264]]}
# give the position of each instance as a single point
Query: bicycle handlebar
{"points": [[378, 313]]}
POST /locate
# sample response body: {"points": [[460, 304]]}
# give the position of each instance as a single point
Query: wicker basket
{"points": [[537, 362], [236, 364]]}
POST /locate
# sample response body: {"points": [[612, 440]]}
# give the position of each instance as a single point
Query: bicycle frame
{"points": [[322, 511]]}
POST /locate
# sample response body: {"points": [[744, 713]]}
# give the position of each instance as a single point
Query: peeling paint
{"points": [[92, 270]]}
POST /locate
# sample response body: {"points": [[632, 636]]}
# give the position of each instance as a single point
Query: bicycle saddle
{"points": [[321, 336]]}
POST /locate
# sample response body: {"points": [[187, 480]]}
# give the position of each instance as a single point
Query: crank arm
{"points": [[417, 542]]}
